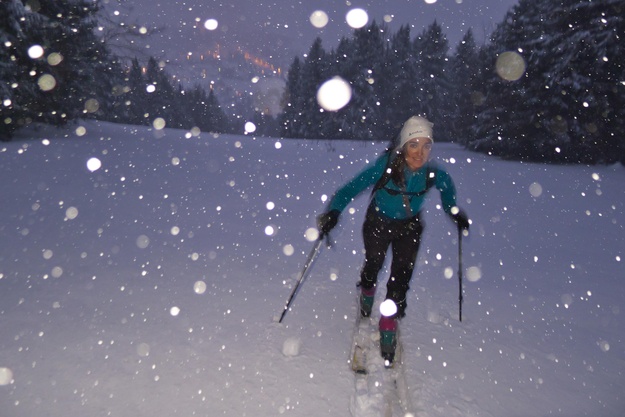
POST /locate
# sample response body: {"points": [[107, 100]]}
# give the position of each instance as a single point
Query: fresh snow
{"points": [[147, 281]]}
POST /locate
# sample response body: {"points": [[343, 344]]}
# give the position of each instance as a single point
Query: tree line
{"points": [[549, 85], [560, 97], [55, 68]]}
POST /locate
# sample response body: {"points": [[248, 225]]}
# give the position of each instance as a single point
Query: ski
{"points": [[361, 341], [395, 393], [363, 362], [379, 386], [359, 360]]}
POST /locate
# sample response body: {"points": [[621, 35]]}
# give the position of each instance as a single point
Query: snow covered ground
{"points": [[149, 286]]}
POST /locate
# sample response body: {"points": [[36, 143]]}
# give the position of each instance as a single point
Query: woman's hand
{"points": [[461, 218], [327, 221]]}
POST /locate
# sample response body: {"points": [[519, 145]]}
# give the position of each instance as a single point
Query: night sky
{"points": [[277, 30]]}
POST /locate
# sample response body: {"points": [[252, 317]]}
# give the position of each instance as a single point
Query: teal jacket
{"points": [[389, 204]]}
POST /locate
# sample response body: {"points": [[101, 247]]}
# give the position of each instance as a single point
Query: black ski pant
{"points": [[404, 238]]}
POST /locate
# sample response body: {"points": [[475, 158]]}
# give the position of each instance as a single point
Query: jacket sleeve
{"points": [[445, 184], [366, 178]]}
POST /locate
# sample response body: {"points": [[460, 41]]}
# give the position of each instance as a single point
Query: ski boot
{"points": [[388, 339], [366, 301]]}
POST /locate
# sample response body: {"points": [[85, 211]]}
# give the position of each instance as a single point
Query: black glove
{"points": [[327, 221], [461, 219]]}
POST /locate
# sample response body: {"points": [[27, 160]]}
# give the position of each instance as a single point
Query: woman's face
{"points": [[417, 152]]}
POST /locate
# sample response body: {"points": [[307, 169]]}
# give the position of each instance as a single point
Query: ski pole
{"points": [[311, 259], [460, 296]]}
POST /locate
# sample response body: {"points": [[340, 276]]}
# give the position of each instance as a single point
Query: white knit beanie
{"points": [[415, 127]]}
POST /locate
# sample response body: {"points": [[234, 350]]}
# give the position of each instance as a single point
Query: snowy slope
{"points": [[149, 286]]}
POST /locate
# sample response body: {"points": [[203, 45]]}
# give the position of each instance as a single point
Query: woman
{"points": [[401, 179]]}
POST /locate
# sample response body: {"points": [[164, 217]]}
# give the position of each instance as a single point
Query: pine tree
{"points": [[217, 118], [182, 109], [585, 74], [266, 125], [81, 75], [111, 101], [313, 74], [364, 70], [337, 123], [568, 105], [19, 85], [9, 68], [464, 96], [137, 94], [507, 126], [197, 101], [289, 119], [434, 81], [72, 76], [398, 86], [161, 97]]}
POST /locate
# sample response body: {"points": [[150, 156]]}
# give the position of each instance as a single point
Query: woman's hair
{"points": [[397, 166]]}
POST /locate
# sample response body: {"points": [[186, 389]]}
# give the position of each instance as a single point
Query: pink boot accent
{"points": [[368, 292], [388, 324]]}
